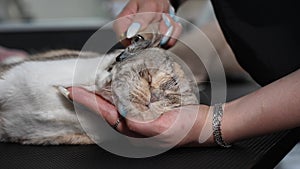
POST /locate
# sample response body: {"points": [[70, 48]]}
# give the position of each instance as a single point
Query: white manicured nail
{"points": [[176, 19], [166, 38], [133, 29], [166, 20], [64, 92], [172, 11]]}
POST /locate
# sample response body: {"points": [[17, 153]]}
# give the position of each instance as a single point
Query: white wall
{"points": [[53, 9]]}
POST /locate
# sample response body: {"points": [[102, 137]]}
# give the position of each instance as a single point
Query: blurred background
{"points": [[33, 11], [40, 23]]}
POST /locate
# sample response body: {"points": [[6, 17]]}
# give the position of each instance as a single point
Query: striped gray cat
{"points": [[144, 83]]}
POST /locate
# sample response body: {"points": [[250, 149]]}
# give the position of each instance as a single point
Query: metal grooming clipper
{"points": [[145, 39]]}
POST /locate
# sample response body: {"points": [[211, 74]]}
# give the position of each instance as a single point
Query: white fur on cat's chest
{"points": [[38, 79], [29, 98]]}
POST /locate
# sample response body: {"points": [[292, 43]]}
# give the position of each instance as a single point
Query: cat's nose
{"points": [[155, 95]]}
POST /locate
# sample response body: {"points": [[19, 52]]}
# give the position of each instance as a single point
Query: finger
{"points": [[165, 24], [7, 55], [170, 30], [167, 35], [124, 19], [100, 106], [121, 25], [176, 33], [148, 12], [153, 9], [94, 103], [141, 22]]}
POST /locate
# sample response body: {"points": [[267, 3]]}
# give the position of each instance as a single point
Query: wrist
{"points": [[206, 128], [202, 130], [218, 112], [230, 123]]}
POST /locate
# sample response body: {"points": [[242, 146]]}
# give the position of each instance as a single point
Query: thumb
{"points": [[124, 19], [94, 103], [148, 12]]}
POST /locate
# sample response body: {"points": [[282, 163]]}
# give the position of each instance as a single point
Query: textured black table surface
{"points": [[261, 152]]}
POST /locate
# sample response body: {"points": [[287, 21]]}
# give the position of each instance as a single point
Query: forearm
{"points": [[272, 108]]}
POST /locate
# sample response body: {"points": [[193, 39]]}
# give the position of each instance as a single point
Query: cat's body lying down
{"points": [[32, 111]]}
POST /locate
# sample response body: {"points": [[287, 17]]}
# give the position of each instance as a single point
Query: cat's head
{"points": [[147, 83]]}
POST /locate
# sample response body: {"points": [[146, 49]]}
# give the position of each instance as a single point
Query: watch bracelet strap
{"points": [[217, 118]]}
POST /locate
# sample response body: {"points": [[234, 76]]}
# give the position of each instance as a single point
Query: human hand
{"points": [[8, 56], [130, 127], [178, 127], [129, 22]]}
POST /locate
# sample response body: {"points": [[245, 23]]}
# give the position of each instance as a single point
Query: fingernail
{"points": [[166, 20], [172, 11], [122, 110], [176, 18], [64, 92], [133, 29], [166, 38]]}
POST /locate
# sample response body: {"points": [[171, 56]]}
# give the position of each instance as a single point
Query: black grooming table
{"points": [[261, 152]]}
